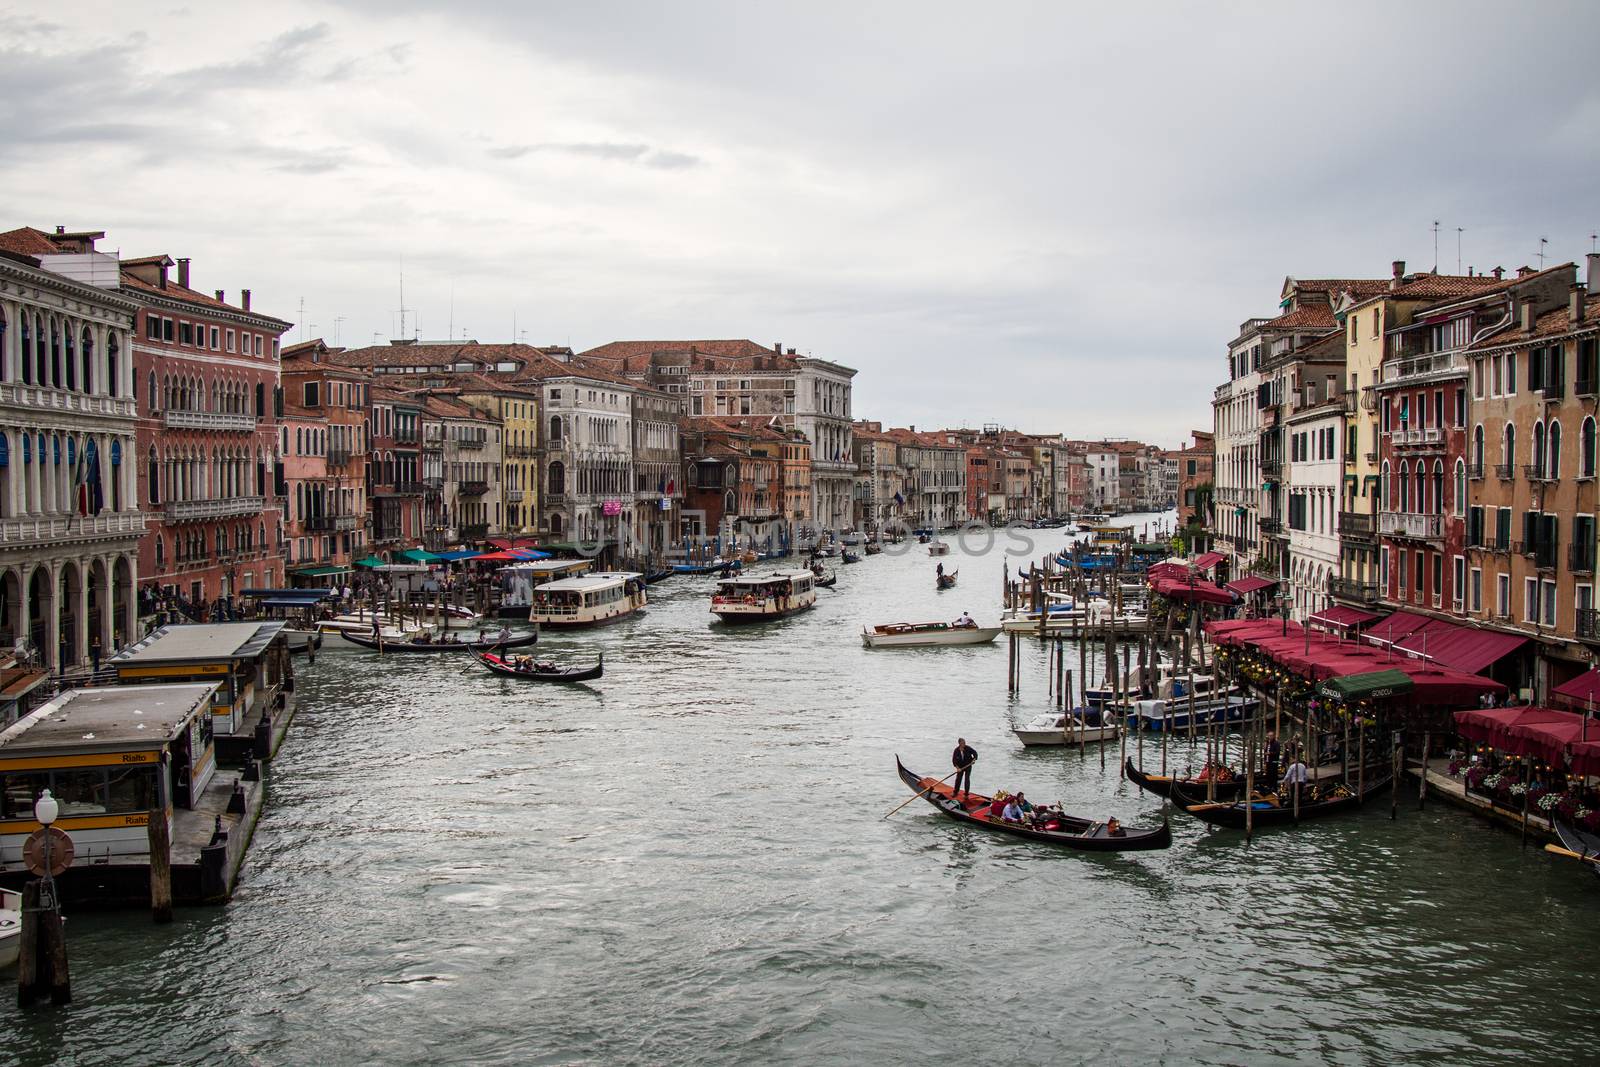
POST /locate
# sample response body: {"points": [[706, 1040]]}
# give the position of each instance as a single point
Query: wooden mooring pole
{"points": [[160, 846]]}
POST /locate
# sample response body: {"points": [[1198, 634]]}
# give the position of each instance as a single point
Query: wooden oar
{"points": [[1193, 808], [1557, 850], [917, 795]]}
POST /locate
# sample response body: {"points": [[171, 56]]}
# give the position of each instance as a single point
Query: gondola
{"points": [[1274, 809], [826, 583], [946, 581], [849, 557], [872, 548], [499, 666], [516, 641], [1585, 844], [1163, 785], [1077, 833], [659, 576]]}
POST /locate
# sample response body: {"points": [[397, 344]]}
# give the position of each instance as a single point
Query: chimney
{"points": [[161, 281], [220, 293], [777, 346], [244, 299], [1499, 273], [1525, 310], [183, 271], [1399, 268], [1594, 272], [1575, 305], [1525, 270], [61, 229]]}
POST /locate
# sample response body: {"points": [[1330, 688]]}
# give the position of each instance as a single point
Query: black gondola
{"points": [[499, 666], [849, 557], [946, 581], [1585, 844], [516, 641], [1277, 809], [1075, 833], [826, 583], [658, 576], [1163, 785]]}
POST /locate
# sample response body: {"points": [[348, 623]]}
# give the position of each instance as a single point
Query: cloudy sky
{"points": [[1047, 216]]}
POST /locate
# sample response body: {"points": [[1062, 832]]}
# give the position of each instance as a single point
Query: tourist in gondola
{"points": [[962, 760], [1012, 811]]}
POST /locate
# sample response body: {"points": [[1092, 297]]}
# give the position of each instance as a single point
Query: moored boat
{"points": [[762, 597], [486, 643], [526, 669], [1278, 809], [10, 927], [1060, 728], [926, 635], [588, 600], [1228, 785], [1581, 842], [1069, 830], [518, 581]]}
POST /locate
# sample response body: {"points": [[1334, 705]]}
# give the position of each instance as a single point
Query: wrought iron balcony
{"points": [[1588, 624], [1475, 471], [338, 457], [330, 523], [1503, 471], [194, 510], [1270, 525], [208, 420], [1537, 472], [472, 488], [472, 444], [1412, 525], [1586, 387], [520, 451], [1350, 589], [1272, 468], [1357, 525]]}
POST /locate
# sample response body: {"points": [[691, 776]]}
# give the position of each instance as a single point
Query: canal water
{"points": [[688, 862]]}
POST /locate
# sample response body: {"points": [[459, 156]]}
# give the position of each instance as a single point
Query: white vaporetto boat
{"points": [[760, 597], [588, 600], [1058, 728], [926, 635]]}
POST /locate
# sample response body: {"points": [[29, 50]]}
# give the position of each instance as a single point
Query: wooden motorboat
{"points": [[10, 927], [1070, 831], [1277, 809], [1062, 728], [484, 644], [524, 669], [938, 548], [926, 635], [1162, 785], [872, 548], [946, 581]]}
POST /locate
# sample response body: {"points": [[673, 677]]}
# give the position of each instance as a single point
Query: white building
{"points": [[1315, 431], [1237, 424], [69, 519], [1105, 479]]}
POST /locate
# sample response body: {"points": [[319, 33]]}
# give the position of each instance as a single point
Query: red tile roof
{"points": [[735, 349], [1555, 323], [1306, 317], [534, 363], [183, 294], [27, 241]]}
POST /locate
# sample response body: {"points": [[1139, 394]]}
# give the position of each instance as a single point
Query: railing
{"points": [[514, 496], [409, 488], [472, 488], [1434, 363], [45, 530], [1272, 467], [1372, 457], [1270, 526], [39, 396], [207, 420], [1475, 471], [1350, 589], [1357, 524], [1432, 435], [1412, 525], [338, 457], [1369, 398], [471, 443], [521, 451], [1554, 389], [1586, 387], [1350, 403], [405, 437], [1503, 471], [556, 496], [1580, 557], [190, 510], [1588, 628]]}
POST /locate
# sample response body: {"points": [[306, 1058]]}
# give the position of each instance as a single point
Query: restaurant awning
{"points": [[1546, 733], [1253, 583], [1394, 627], [1207, 560], [1374, 685], [456, 554], [318, 572], [1192, 591], [1342, 617], [1167, 570], [371, 561], [1491, 725], [416, 555], [1582, 691], [1463, 648]]}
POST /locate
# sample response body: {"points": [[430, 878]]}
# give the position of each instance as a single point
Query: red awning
{"points": [[1547, 733], [1251, 584], [1167, 570], [1394, 627], [497, 555], [1208, 560], [1342, 617], [1436, 686], [1464, 648], [1490, 725], [1192, 592], [1582, 691]]}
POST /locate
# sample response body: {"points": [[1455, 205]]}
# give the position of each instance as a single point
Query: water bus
{"points": [[760, 597], [588, 600], [518, 581]]}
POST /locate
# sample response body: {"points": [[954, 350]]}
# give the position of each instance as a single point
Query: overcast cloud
{"points": [[1049, 216]]}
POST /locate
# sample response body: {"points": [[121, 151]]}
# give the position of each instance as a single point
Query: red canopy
{"points": [[1440, 687], [1394, 627], [1464, 648], [1582, 691], [1490, 725], [1208, 560], [1547, 733], [1193, 592], [497, 555], [1343, 617], [1168, 570], [1251, 584]]}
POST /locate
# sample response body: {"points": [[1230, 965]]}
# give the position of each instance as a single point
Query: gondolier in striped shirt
{"points": [[962, 760]]}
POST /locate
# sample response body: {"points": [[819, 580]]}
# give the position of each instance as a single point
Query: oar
{"points": [[917, 795], [1193, 808], [1559, 851]]}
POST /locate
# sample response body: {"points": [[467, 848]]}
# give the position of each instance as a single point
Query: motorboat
{"points": [[926, 635], [10, 927], [763, 597], [938, 548], [1063, 728]]}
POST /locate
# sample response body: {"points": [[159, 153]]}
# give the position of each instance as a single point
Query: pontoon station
{"points": [[517, 582], [112, 757]]}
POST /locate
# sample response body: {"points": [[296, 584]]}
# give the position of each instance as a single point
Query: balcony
{"points": [[195, 510], [53, 530], [471, 444], [1588, 624], [1585, 387], [1411, 525], [1475, 471], [330, 523], [1369, 398], [1433, 435], [1424, 368], [1555, 389], [208, 420], [1357, 525], [1536, 472], [1270, 526], [1272, 468], [434, 483], [472, 488], [403, 489], [1371, 457], [514, 496], [39, 396], [405, 437], [1503, 471], [1580, 557], [338, 457], [1350, 589], [520, 451], [474, 531]]}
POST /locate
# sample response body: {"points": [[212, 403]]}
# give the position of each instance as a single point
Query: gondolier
{"points": [[962, 760]]}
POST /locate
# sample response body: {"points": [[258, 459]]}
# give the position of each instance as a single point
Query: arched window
{"points": [[1477, 449], [1538, 447], [113, 380], [558, 477], [155, 403], [1404, 503], [1459, 503], [1437, 507], [153, 479], [1508, 448], [86, 347], [1552, 450], [1586, 454], [161, 552], [25, 350], [70, 349]]}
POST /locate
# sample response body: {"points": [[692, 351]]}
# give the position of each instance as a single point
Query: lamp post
{"points": [[46, 809]]}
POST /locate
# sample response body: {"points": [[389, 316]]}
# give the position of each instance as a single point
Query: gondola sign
{"points": [[61, 851]]}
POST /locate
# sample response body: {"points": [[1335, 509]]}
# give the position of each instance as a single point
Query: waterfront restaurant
{"points": [[249, 660], [110, 756]]}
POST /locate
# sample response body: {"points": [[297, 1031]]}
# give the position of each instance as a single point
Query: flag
{"points": [[672, 484], [80, 479], [661, 486], [898, 499], [97, 492]]}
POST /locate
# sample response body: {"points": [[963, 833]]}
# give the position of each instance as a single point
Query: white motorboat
{"points": [[1058, 728], [926, 635], [333, 630], [10, 927], [938, 548]]}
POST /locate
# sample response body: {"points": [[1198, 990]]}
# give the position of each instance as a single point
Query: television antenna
{"points": [[1542, 242], [1436, 246], [1458, 249]]}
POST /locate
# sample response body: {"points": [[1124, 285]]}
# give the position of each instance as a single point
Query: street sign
{"points": [[61, 851]]}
